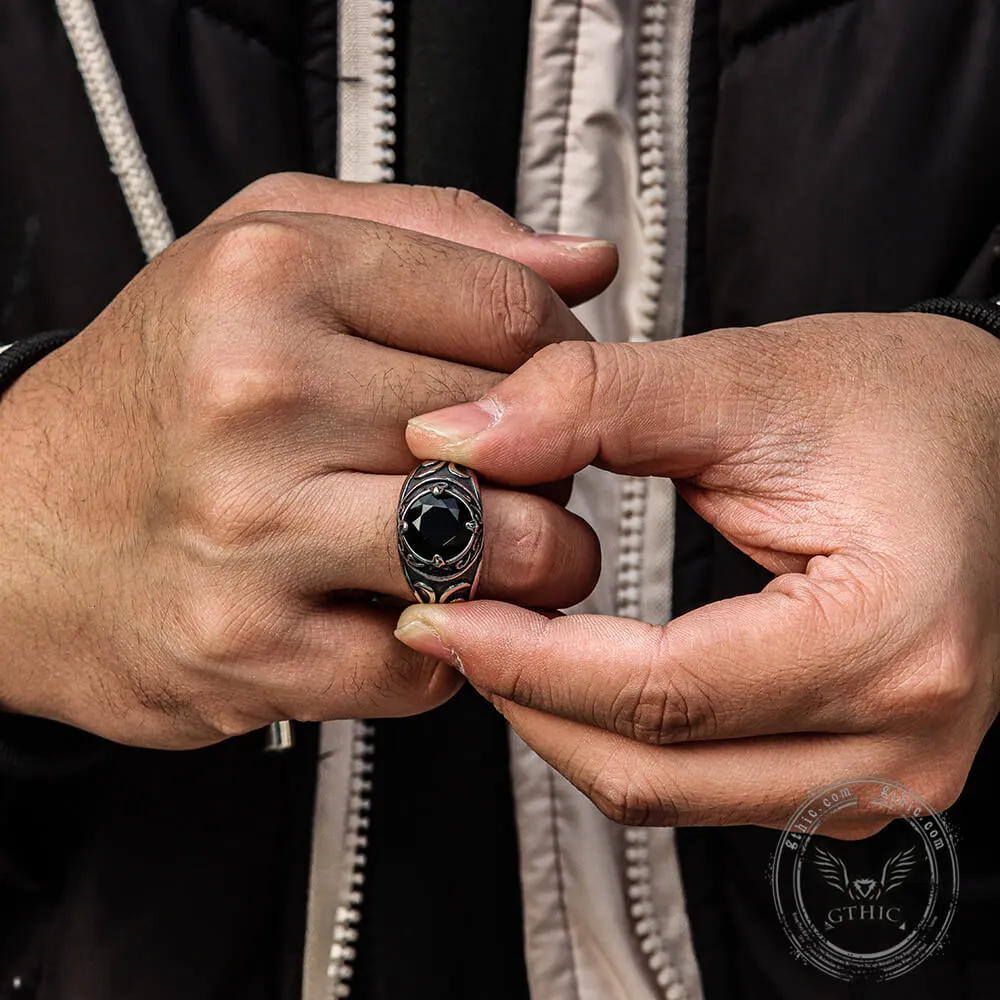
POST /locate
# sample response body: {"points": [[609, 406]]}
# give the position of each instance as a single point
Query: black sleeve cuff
{"points": [[984, 314], [37, 748], [22, 354]]}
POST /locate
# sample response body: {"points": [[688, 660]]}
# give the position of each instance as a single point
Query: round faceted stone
{"points": [[438, 526]]}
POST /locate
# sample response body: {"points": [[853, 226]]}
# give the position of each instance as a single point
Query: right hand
{"points": [[195, 489]]}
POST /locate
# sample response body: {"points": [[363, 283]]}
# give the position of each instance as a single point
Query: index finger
{"points": [[578, 268], [783, 661], [399, 288]]}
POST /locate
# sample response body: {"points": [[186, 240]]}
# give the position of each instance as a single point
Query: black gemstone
{"points": [[437, 526]]}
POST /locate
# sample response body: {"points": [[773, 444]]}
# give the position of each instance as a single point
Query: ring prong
{"points": [[423, 572]]}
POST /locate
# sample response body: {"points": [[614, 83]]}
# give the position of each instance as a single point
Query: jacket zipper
{"points": [[348, 913], [367, 152], [653, 204], [653, 192], [385, 89], [367, 92]]}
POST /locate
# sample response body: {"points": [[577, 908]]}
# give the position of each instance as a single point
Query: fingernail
{"points": [[415, 632], [575, 242], [457, 424]]}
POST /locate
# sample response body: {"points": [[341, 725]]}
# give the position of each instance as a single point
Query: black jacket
{"points": [[843, 154]]}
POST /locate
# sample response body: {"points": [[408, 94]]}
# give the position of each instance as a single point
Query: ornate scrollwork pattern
{"points": [[439, 529]]}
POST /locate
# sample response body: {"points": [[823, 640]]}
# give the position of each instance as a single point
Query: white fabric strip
{"points": [[583, 170], [4, 347], [366, 132], [579, 943], [365, 152], [104, 90], [664, 204]]}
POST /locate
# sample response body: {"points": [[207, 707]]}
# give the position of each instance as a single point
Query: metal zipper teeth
{"points": [[635, 492], [343, 949], [653, 202], [348, 914], [384, 83]]}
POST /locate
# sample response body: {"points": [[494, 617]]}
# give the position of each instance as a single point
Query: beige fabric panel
{"points": [[580, 173], [579, 939]]}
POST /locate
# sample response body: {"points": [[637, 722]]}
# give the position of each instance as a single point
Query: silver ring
{"points": [[439, 529]]}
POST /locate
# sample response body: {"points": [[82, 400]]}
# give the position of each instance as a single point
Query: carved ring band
{"points": [[439, 529]]}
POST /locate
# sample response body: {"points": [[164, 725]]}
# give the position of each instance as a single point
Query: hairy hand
{"points": [[855, 456], [199, 486]]}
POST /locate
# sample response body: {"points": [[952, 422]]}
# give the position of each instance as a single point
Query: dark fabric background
{"points": [[844, 155]]}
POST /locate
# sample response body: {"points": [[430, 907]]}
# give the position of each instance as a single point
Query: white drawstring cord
{"points": [[104, 91]]}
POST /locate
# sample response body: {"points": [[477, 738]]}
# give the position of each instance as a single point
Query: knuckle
{"points": [[223, 517], [532, 546], [948, 789], [941, 783], [252, 251], [572, 369], [667, 705], [523, 687], [516, 302], [242, 388], [226, 723], [452, 202], [944, 789], [287, 190], [265, 192], [212, 633], [615, 797], [232, 370], [658, 714], [932, 688], [226, 627], [631, 801]]}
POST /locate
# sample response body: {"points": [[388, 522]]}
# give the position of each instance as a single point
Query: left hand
{"points": [[855, 456]]}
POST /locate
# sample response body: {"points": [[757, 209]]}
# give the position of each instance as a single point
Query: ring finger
{"points": [[535, 552]]}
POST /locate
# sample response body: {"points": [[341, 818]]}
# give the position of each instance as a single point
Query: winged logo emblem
{"points": [[894, 873]]}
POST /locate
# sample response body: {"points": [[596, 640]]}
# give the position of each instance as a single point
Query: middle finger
{"points": [[358, 397]]}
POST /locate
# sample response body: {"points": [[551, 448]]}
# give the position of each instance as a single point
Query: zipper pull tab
{"points": [[280, 737]]}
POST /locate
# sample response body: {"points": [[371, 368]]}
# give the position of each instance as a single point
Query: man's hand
{"points": [[199, 491], [856, 456]]}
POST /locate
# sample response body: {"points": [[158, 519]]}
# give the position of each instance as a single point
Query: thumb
{"points": [[577, 267], [638, 409]]}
